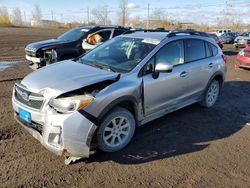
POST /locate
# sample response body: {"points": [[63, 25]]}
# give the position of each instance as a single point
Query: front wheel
{"points": [[211, 94], [116, 130]]}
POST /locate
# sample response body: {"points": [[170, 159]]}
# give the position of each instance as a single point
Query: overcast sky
{"points": [[197, 11]]}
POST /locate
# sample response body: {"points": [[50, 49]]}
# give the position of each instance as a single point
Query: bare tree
{"points": [[17, 17], [123, 12], [159, 18], [36, 13], [101, 15], [136, 22]]}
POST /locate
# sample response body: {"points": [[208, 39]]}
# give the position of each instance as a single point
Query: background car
{"points": [[242, 40], [217, 39], [236, 34], [68, 45], [227, 38], [220, 32], [243, 58]]}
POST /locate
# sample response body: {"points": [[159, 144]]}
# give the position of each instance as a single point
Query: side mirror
{"points": [[163, 67]]}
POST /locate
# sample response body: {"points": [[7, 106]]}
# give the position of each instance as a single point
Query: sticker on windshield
{"points": [[151, 41], [85, 30]]}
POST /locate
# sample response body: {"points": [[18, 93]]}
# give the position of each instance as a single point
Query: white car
{"points": [[222, 31]]}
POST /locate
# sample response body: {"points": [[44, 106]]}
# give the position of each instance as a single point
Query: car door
{"points": [[200, 62], [169, 88]]}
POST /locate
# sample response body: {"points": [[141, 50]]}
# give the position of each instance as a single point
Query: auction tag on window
{"points": [[85, 30], [151, 41]]}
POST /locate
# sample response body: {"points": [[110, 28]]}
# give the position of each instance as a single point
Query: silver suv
{"points": [[126, 82]]}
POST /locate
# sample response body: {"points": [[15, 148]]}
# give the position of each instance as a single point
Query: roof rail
{"points": [[149, 30], [186, 31]]}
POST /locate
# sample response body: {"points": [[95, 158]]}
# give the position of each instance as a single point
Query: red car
{"points": [[243, 58]]}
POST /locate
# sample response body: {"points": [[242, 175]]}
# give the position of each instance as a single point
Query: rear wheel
{"points": [[116, 130], [211, 94]]}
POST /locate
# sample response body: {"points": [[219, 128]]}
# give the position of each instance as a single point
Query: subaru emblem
{"points": [[25, 95]]}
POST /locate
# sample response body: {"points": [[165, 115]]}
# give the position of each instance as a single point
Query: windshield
{"points": [[246, 34], [120, 54], [72, 35]]}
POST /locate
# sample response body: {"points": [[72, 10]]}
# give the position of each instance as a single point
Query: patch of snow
{"points": [[6, 64]]}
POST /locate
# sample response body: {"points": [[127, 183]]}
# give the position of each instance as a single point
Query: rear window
{"points": [[194, 50], [208, 50], [214, 49]]}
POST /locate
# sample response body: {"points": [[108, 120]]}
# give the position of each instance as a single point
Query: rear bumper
{"points": [[62, 134]]}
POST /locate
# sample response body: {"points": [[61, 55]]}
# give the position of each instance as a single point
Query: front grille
{"points": [[32, 54], [242, 41], [30, 99], [30, 51]]}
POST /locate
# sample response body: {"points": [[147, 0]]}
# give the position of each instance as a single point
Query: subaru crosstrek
{"points": [[126, 82]]}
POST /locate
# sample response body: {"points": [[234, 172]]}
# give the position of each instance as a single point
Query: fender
{"points": [[218, 73], [97, 120]]}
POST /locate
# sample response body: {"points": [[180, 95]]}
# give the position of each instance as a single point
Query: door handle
{"points": [[184, 74], [210, 65]]}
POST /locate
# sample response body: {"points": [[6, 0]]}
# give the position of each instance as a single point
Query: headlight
{"points": [[52, 55], [70, 104], [242, 53]]}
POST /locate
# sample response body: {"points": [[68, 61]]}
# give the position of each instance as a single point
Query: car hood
{"points": [[51, 43], [65, 76], [241, 37]]}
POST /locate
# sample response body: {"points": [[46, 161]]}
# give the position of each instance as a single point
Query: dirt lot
{"points": [[193, 147]]}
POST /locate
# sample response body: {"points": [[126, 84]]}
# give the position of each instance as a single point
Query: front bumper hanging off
{"points": [[63, 134]]}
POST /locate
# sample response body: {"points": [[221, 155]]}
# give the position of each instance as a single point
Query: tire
{"points": [[211, 95], [116, 130]]}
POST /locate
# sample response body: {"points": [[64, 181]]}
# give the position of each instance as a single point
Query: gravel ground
{"points": [[193, 147]]}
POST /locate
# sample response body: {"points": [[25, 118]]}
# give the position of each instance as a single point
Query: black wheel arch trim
{"points": [[218, 73], [97, 120]]}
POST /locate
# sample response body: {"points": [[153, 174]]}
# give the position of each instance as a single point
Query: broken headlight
{"points": [[51, 55], [70, 104]]}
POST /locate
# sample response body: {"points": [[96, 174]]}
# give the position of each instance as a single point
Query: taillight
{"points": [[224, 58]]}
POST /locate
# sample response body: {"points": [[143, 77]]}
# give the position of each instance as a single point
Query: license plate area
{"points": [[24, 115]]}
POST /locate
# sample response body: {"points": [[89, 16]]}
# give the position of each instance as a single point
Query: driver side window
{"points": [[172, 53]]}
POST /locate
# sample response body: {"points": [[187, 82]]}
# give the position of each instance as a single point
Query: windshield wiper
{"points": [[98, 65], [106, 67]]}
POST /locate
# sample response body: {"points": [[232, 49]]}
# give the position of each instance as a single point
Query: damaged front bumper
{"points": [[63, 134], [34, 59]]}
